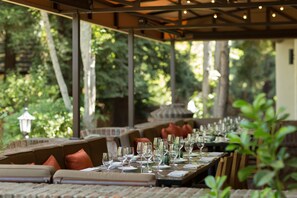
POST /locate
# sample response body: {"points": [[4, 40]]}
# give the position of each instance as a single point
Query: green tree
{"points": [[254, 71]]}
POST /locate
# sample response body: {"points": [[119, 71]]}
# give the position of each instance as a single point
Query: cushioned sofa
{"points": [[31, 163]]}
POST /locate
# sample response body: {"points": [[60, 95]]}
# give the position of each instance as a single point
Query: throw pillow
{"points": [[186, 130], [79, 160], [51, 161]]}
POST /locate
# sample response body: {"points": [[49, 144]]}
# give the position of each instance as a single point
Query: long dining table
{"points": [[180, 173]]}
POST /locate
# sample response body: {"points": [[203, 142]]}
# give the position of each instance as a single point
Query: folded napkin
{"points": [[214, 154], [191, 166], [94, 168], [115, 165], [177, 173], [206, 159]]}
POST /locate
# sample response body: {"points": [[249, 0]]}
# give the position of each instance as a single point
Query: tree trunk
{"points": [[10, 56], [205, 83], [89, 76], [222, 90], [54, 58]]}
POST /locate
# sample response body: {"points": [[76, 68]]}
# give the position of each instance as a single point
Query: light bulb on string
{"points": [[185, 11], [260, 7], [273, 15], [188, 1], [281, 8], [244, 16], [213, 1], [215, 16]]}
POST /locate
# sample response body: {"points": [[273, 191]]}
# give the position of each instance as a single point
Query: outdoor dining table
{"points": [[192, 174]]}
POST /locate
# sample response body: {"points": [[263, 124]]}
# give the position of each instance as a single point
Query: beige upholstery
{"points": [[103, 178], [26, 173]]}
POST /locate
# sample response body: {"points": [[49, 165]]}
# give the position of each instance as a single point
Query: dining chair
{"points": [[239, 162], [224, 168]]}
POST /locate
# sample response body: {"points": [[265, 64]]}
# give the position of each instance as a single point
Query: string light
{"points": [[215, 16], [185, 11], [281, 8], [260, 7], [244, 16], [273, 15], [213, 1], [188, 1]]}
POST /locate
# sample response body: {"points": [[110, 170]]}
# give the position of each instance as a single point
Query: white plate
{"points": [[181, 160], [161, 167], [94, 168], [145, 162], [116, 164], [214, 154], [192, 154], [127, 168]]}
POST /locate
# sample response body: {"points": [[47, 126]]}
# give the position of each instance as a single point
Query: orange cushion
{"points": [[79, 160], [186, 130], [136, 140], [174, 129], [51, 161]]}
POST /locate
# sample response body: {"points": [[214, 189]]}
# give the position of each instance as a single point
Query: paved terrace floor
{"points": [[69, 190]]}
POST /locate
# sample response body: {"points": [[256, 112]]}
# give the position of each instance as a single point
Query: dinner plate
{"points": [[145, 162], [161, 167], [192, 154], [127, 168], [116, 164], [181, 160]]}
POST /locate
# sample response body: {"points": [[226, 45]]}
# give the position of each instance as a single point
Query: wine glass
{"points": [[170, 138], [200, 144], [120, 156], [157, 158], [181, 145], [173, 152], [107, 160], [188, 147], [148, 154], [156, 142], [130, 154], [140, 151]]}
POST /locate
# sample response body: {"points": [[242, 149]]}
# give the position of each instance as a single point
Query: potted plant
{"points": [[261, 138]]}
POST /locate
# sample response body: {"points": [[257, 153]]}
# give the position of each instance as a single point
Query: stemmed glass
{"points": [[130, 154], [120, 155], [107, 160], [140, 151], [200, 144], [170, 138], [157, 157], [173, 152], [181, 145], [156, 142], [188, 147], [148, 154]]}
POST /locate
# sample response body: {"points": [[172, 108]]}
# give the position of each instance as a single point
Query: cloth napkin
{"points": [[94, 168], [177, 173], [191, 166], [206, 159], [214, 154]]}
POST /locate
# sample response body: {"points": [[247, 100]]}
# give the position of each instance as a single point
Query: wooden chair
{"points": [[224, 168], [239, 162]]}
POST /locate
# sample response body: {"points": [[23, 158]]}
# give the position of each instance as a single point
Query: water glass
{"points": [[107, 160]]}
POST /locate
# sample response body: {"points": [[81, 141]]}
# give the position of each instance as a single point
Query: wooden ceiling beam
{"points": [[266, 34], [284, 14], [206, 26], [189, 7]]}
